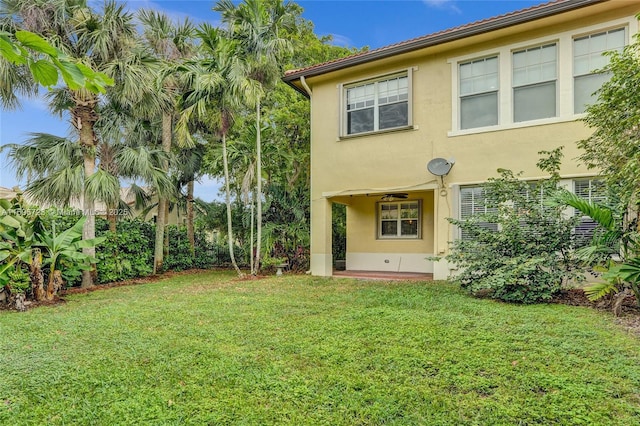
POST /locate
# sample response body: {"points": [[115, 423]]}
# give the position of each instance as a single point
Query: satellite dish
{"points": [[440, 166]]}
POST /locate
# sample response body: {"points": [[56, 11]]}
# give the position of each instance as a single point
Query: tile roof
{"points": [[451, 34]]}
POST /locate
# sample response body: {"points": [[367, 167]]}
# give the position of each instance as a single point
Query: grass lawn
{"points": [[205, 349]]}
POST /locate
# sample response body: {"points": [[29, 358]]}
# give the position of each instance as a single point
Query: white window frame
{"points": [[464, 96], [399, 219], [565, 82], [408, 73], [591, 72], [515, 87]]}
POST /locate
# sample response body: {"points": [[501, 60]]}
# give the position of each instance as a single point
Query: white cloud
{"points": [[174, 15], [340, 40], [443, 4], [36, 103], [208, 189]]}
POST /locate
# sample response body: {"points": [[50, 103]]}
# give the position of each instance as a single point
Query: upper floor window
{"points": [[535, 73], [377, 105], [479, 93], [588, 58], [400, 219]]}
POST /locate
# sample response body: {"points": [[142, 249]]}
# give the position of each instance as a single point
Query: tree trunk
{"points": [[159, 240], [259, 189], [161, 218], [190, 230], [37, 277], [227, 192], [85, 117], [18, 302], [111, 218], [251, 244], [165, 246], [55, 283]]}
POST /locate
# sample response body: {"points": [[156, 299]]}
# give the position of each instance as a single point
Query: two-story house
{"points": [[482, 96]]}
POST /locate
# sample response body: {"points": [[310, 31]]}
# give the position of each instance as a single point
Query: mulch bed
{"points": [[629, 317]]}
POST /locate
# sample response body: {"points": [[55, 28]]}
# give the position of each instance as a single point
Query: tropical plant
{"points": [[527, 255], [286, 227], [45, 63], [27, 244], [613, 250], [189, 164], [172, 43], [613, 150], [257, 26], [103, 41], [16, 251], [218, 81], [63, 254], [54, 166], [613, 147]]}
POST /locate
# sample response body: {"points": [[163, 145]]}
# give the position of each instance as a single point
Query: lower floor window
{"points": [[472, 203], [399, 219], [592, 190]]}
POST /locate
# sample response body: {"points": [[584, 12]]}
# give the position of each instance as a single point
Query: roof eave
{"points": [[428, 41]]}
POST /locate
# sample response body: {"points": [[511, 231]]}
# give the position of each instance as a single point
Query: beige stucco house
{"points": [[479, 97]]}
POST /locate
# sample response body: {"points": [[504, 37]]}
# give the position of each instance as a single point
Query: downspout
{"points": [[303, 81]]}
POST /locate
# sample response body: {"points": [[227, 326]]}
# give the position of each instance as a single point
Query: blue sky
{"points": [[353, 23]]}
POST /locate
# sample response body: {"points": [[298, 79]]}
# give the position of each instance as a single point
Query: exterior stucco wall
{"points": [[398, 159]]}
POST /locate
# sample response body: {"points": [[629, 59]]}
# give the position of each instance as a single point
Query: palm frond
{"points": [[599, 290], [141, 196], [58, 187], [43, 154], [602, 215], [103, 186]]}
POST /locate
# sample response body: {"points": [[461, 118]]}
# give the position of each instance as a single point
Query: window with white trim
{"points": [[588, 58], [472, 203], [400, 219], [592, 190], [377, 105], [535, 72], [479, 86]]}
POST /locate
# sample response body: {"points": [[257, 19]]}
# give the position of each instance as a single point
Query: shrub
{"points": [[180, 257], [126, 254], [530, 256]]}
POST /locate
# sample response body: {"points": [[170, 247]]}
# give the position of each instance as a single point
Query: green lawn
{"points": [[204, 349]]}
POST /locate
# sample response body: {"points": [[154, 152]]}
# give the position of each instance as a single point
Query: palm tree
{"points": [[218, 81], [105, 42], [171, 43], [256, 25], [189, 168], [53, 167]]}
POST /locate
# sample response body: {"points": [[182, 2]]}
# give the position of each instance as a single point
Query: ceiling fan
{"points": [[395, 196]]}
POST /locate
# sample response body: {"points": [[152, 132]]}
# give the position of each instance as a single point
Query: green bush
{"points": [[126, 254], [530, 255], [180, 257]]}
